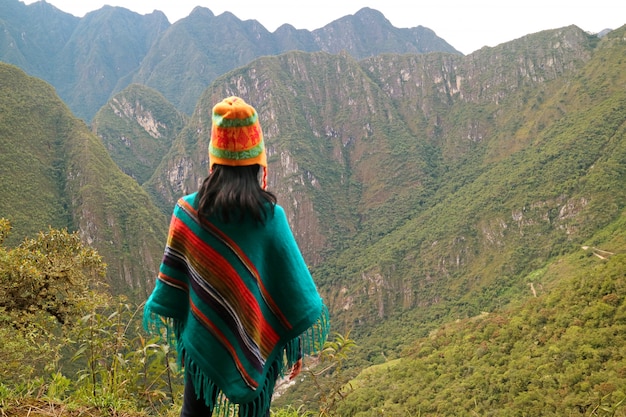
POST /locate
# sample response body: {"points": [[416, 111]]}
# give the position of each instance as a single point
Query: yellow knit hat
{"points": [[236, 136]]}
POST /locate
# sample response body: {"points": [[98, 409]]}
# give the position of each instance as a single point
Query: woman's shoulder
{"points": [[277, 213], [277, 219], [278, 209]]}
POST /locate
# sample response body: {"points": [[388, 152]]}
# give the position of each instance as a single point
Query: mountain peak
{"points": [[368, 12], [200, 11]]}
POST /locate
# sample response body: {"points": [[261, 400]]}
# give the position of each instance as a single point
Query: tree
{"points": [[45, 285]]}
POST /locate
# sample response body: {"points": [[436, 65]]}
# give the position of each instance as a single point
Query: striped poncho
{"points": [[238, 297]]}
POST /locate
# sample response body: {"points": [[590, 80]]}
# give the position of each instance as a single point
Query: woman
{"points": [[233, 287]]}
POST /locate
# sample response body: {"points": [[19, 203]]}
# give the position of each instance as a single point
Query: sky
{"points": [[467, 25]]}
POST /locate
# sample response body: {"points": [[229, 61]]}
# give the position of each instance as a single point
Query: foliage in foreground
{"points": [[65, 340], [72, 350], [46, 284]]}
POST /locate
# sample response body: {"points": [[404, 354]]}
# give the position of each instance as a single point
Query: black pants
{"points": [[196, 407]]}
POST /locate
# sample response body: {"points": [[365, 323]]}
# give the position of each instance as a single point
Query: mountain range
{"points": [[442, 201], [90, 59]]}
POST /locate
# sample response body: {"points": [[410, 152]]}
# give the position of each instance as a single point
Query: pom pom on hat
{"points": [[236, 136]]}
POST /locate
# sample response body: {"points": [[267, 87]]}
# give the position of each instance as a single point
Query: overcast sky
{"points": [[467, 25]]}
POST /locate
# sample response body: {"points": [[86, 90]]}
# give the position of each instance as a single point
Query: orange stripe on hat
{"points": [[236, 136]]}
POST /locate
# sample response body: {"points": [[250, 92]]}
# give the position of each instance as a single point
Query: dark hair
{"points": [[234, 193]]}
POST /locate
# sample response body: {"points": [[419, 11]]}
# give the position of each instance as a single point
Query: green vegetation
{"points": [[556, 351], [66, 342], [44, 281], [137, 127], [32, 164], [73, 349], [545, 178], [56, 173]]}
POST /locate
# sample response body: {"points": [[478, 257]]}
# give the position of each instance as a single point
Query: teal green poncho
{"points": [[237, 296]]}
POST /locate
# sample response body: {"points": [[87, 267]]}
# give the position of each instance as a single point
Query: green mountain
{"points": [[361, 149], [557, 351], [206, 46], [137, 127], [463, 215], [429, 188], [83, 58], [504, 294], [368, 33], [55, 172], [90, 59], [33, 35]]}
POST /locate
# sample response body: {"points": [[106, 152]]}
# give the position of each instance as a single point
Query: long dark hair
{"points": [[234, 193]]}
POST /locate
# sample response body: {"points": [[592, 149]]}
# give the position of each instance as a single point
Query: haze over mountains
{"points": [[88, 59], [422, 187]]}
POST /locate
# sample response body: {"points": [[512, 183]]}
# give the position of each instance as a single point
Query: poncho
{"points": [[237, 297]]}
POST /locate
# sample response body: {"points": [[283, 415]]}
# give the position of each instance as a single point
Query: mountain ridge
{"points": [[98, 55]]}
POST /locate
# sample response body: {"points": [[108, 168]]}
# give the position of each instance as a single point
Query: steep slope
{"points": [[488, 129], [368, 33], [360, 150], [32, 190], [364, 34], [329, 143], [137, 127], [495, 220], [55, 172], [85, 59], [558, 350], [196, 50], [454, 93]]}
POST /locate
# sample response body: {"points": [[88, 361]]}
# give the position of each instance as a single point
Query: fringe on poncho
{"points": [[233, 299]]}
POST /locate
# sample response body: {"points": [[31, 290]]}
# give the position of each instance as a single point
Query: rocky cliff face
{"points": [[335, 127], [430, 85], [508, 147], [138, 126], [112, 214]]}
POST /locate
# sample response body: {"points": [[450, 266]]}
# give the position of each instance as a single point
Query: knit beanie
{"points": [[236, 136]]}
